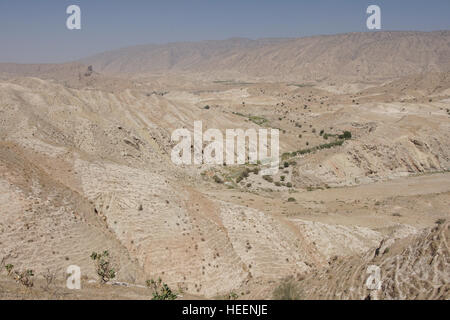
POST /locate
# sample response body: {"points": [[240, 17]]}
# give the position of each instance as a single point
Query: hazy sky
{"points": [[35, 30]]}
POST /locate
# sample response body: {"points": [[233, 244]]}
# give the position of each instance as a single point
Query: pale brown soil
{"points": [[85, 166]]}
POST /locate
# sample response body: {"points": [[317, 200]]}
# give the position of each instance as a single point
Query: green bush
{"points": [[9, 267], [103, 266], [161, 291], [286, 155], [232, 296], [291, 199], [346, 135], [258, 120]]}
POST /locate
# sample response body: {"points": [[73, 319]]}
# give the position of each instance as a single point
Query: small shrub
{"points": [[289, 185], [346, 135], [9, 267], [286, 155], [257, 120], [290, 199], [217, 179], [278, 184], [103, 266], [268, 178], [440, 221], [286, 164], [25, 278], [282, 178], [161, 291], [232, 296]]}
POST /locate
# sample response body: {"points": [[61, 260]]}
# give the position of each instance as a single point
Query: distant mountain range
{"points": [[357, 56]]}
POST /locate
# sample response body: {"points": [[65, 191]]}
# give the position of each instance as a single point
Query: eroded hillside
{"points": [[85, 166]]}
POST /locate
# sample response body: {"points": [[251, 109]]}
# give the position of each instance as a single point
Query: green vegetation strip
{"points": [[255, 119], [341, 138]]}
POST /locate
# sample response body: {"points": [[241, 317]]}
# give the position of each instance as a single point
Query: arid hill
{"points": [[71, 75], [357, 56], [415, 267], [85, 166]]}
